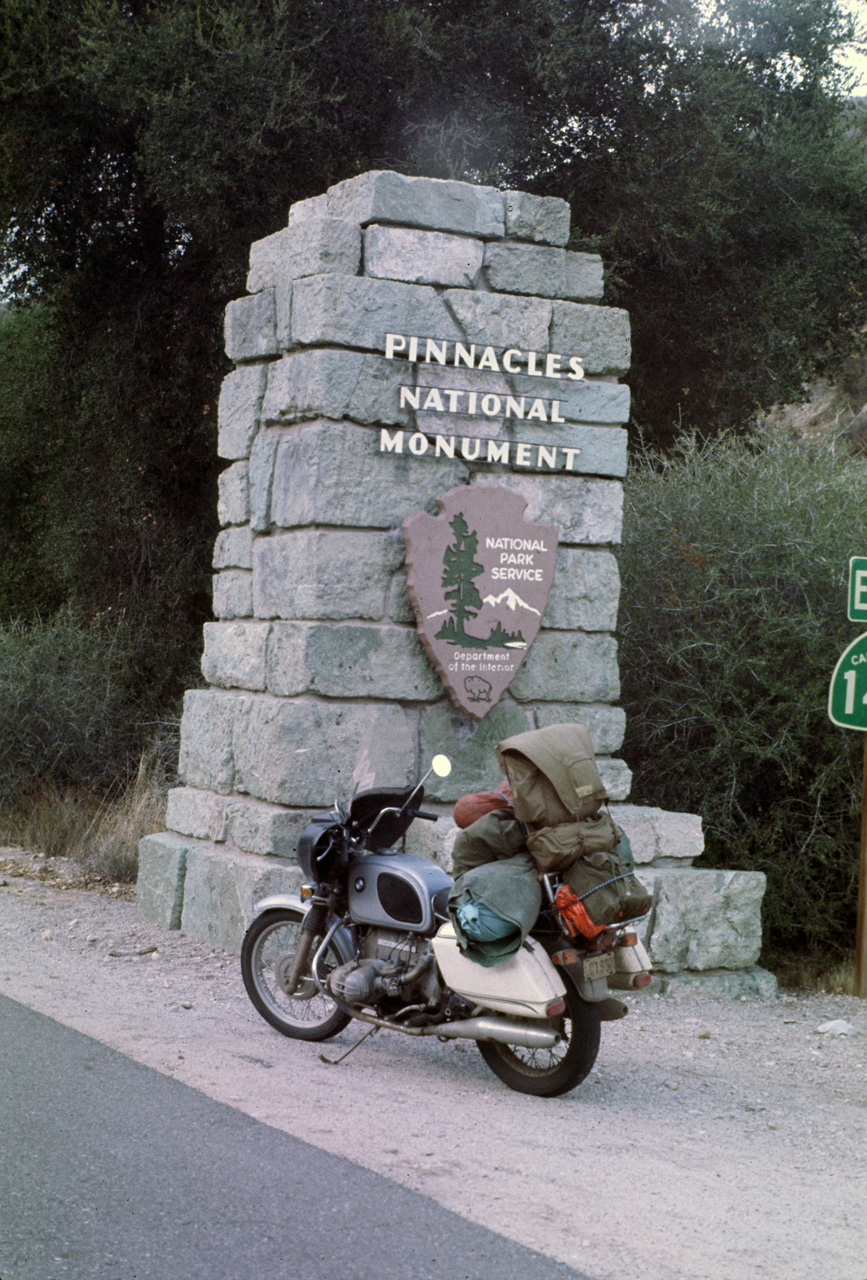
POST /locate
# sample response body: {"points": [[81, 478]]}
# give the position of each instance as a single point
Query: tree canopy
{"points": [[707, 152]]}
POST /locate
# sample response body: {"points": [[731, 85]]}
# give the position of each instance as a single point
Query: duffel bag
{"points": [[600, 889]]}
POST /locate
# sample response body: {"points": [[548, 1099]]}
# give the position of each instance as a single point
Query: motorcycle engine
{"points": [[390, 965]]}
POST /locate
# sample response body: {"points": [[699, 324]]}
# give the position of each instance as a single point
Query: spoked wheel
{"points": [[549, 1072], [266, 960]]}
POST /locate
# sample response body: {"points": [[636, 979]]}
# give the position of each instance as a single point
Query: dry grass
{"points": [[101, 833], [806, 975]]}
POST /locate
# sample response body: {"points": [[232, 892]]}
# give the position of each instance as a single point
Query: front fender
{"points": [[341, 938]]}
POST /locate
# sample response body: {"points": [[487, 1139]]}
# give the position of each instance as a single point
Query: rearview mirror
{"points": [[442, 766]]}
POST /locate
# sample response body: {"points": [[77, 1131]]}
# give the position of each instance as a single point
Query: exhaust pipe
{"points": [[529, 1035]]}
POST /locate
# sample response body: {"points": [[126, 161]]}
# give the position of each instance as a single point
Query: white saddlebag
{"points": [[523, 984]]}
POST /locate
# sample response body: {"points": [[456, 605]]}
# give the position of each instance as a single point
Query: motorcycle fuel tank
{"points": [[395, 890]]}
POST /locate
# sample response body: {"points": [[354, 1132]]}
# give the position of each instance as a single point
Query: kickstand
{"points": [[335, 1062]]}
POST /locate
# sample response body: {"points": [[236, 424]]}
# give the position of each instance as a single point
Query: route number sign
{"points": [[847, 697], [847, 707], [858, 588]]}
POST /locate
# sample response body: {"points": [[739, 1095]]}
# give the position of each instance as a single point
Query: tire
{"points": [[266, 954], [546, 1073]]}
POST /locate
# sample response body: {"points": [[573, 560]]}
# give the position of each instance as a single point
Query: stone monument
{"points": [[403, 338]]}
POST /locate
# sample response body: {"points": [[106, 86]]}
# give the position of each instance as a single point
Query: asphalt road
{"points": [[110, 1170]]}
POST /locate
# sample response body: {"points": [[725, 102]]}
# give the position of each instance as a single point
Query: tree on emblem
{"points": [[459, 569]]}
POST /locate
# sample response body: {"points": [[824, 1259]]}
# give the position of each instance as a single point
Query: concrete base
{"points": [[752, 983], [207, 890]]}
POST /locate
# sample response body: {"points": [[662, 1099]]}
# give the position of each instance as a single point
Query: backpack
{"points": [[559, 796], [600, 890]]}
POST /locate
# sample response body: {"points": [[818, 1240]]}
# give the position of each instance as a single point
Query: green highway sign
{"points": [[847, 697], [858, 588]]}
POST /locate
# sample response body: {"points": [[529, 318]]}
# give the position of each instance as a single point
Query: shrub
{"points": [[101, 833], [70, 711], [733, 616]]}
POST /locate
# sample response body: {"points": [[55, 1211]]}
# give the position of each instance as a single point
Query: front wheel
{"points": [[549, 1072], [266, 962]]}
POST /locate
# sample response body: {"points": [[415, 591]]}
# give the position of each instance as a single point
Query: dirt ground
{"points": [[713, 1140]]}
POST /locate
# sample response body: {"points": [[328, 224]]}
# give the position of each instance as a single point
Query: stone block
{"points": [[262, 455], [310, 246], [303, 752], [599, 335], [238, 413], [422, 257], [585, 592], [337, 659], [233, 594], [568, 666], [606, 403], [233, 548], [197, 813], [312, 573], [398, 606], [660, 837], [327, 383], [441, 205], [496, 320], [251, 327], [328, 466], [434, 840], [358, 311], [234, 656], [314, 207], [162, 868], [233, 502], [593, 451], [207, 727], [435, 413], [469, 744], [616, 776], [221, 890], [522, 446], [606, 725], [283, 294], [588, 512], [544, 272], [703, 919], [258, 827], [752, 983], [544, 219]]}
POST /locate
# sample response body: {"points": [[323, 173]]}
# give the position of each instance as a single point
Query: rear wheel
{"points": [[266, 961], [549, 1072]]}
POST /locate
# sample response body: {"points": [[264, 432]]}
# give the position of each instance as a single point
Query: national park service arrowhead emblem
{"points": [[478, 575]]}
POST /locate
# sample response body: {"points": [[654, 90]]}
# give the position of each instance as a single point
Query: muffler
{"points": [[529, 1035]]}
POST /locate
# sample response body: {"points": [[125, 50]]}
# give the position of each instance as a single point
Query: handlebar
{"points": [[428, 817]]}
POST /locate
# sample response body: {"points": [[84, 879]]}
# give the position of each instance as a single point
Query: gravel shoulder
{"points": [[712, 1141]]}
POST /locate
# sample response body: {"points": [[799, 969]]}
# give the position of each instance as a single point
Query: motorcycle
{"points": [[369, 939]]}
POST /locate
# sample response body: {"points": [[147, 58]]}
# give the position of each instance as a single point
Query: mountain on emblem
{"points": [[478, 576]]}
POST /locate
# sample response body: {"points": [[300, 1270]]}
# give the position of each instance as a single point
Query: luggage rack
{"points": [[551, 882]]}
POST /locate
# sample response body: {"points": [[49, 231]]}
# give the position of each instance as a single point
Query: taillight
{"points": [[554, 1008], [627, 940], [641, 980]]}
